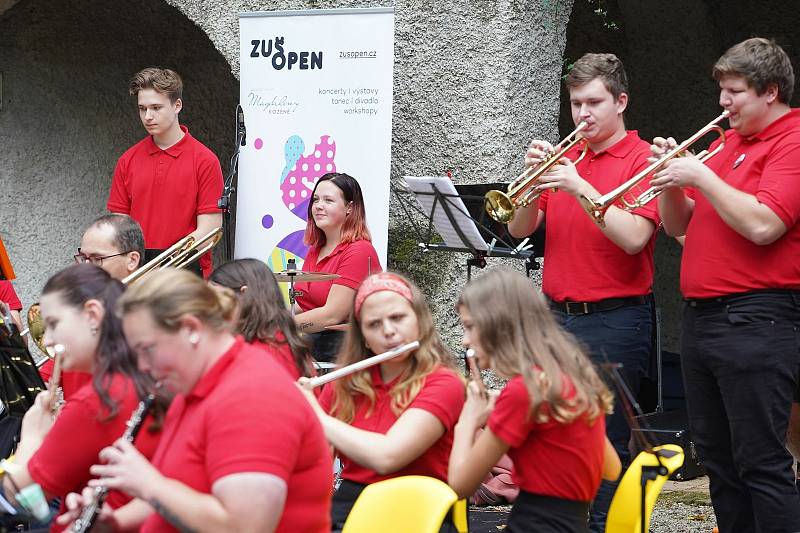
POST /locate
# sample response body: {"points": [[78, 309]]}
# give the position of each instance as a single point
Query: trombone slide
{"points": [[363, 364]]}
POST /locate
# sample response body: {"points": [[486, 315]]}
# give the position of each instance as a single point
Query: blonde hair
{"points": [[430, 355], [171, 294], [520, 336]]}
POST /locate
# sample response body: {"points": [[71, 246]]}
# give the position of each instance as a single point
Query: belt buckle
{"points": [[581, 308]]}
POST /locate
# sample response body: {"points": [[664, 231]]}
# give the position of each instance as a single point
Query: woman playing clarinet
{"points": [[396, 418], [549, 417], [241, 450], [57, 449]]}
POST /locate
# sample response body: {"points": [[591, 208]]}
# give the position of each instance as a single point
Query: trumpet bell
{"points": [[499, 206]]}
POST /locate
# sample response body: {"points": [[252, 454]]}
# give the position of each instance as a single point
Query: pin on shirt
{"points": [[739, 160]]}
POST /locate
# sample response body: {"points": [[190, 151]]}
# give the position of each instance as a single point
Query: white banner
{"points": [[316, 88]]}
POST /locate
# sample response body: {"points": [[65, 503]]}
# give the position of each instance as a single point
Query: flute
{"points": [[54, 385], [363, 364], [475, 372], [90, 513]]}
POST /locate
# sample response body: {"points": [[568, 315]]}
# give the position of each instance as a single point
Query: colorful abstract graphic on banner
{"points": [[316, 88]]}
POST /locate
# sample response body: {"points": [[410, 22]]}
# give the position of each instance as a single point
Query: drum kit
{"points": [[291, 276]]}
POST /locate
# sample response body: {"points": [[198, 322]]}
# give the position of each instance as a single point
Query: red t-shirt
{"points": [[71, 382], [281, 354], [717, 260], [581, 264], [246, 415], [442, 395], [550, 459], [352, 261], [61, 464], [165, 190], [9, 296]]}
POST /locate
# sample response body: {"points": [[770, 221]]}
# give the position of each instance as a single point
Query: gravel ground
{"points": [[683, 512], [683, 507]]}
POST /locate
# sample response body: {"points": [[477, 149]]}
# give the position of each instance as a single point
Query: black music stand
{"points": [[460, 221]]}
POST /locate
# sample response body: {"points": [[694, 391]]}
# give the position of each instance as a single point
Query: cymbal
{"points": [[299, 276]]}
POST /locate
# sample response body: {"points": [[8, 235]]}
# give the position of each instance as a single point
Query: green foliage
{"points": [[407, 257]]}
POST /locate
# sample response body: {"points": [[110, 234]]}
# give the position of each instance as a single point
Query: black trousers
{"points": [[740, 357], [532, 513], [325, 345]]}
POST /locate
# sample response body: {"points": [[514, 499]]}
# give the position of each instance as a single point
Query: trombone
{"points": [[179, 255], [597, 207], [502, 206]]}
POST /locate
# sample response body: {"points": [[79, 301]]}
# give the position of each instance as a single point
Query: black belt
{"points": [[718, 302], [609, 304]]}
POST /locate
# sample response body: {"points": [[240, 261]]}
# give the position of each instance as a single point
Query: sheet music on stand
{"points": [[447, 215], [456, 227]]}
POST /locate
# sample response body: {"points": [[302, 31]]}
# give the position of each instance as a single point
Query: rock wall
{"points": [[474, 81]]}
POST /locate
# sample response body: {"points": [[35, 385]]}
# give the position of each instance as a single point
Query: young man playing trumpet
{"points": [[741, 281], [598, 280]]}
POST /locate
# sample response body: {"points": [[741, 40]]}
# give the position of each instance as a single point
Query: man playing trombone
{"points": [[598, 279], [113, 242], [741, 281]]}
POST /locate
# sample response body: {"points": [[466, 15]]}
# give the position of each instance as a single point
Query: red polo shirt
{"points": [[281, 354], [442, 395], [717, 260], [61, 464], [165, 190], [353, 262], [580, 263], [246, 415], [71, 382], [550, 458], [9, 296]]}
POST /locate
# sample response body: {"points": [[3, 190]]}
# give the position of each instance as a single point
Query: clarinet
{"points": [[84, 523]]}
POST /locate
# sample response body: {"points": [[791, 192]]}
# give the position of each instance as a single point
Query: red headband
{"points": [[384, 281]]}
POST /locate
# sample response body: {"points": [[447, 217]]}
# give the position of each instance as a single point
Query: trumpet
{"points": [[597, 207], [363, 364], [502, 206]]}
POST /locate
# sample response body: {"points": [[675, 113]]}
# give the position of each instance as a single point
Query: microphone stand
{"points": [[224, 202]]}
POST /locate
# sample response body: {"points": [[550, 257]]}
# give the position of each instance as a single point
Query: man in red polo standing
{"points": [[598, 279], [169, 182], [740, 277]]}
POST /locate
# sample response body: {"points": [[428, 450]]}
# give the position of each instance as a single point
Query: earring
{"points": [[194, 338], [93, 330]]}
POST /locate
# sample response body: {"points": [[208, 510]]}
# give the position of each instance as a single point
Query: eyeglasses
{"points": [[95, 259]]}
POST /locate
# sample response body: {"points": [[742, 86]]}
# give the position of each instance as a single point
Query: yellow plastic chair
{"points": [[406, 504], [625, 513]]}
